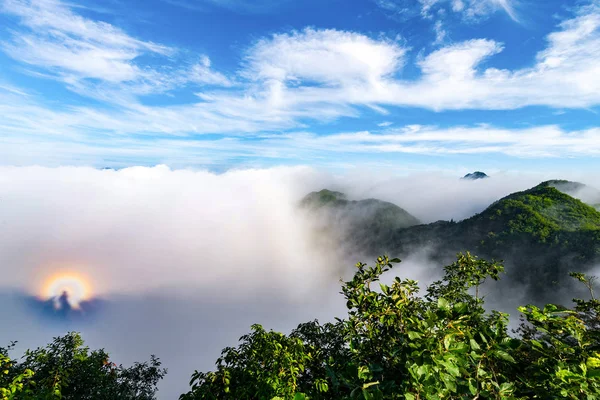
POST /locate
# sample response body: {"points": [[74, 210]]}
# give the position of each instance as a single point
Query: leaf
{"points": [[472, 388], [593, 362], [368, 385], [460, 308], [505, 356], [443, 303], [452, 369], [536, 343], [414, 335], [447, 341], [474, 344], [364, 373], [593, 373]]}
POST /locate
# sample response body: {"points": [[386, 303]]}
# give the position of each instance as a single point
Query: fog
{"points": [[186, 260]]}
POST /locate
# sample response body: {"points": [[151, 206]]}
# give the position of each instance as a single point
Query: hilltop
{"points": [[476, 175], [360, 222]]}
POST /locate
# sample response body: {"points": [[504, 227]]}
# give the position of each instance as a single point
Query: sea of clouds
{"points": [[186, 260]]}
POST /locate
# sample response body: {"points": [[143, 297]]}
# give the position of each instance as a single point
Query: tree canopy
{"points": [[66, 369], [397, 344]]}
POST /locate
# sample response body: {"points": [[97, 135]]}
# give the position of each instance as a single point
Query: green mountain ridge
{"points": [[555, 232], [359, 221]]}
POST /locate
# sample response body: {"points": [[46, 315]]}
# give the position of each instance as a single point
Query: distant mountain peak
{"points": [[475, 175], [563, 185]]}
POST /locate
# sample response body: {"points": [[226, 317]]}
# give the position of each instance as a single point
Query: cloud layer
{"points": [[174, 228]]}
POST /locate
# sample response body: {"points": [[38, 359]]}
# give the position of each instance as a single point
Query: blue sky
{"points": [[219, 84]]}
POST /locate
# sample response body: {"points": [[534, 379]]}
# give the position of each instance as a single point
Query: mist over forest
{"points": [[182, 262]]}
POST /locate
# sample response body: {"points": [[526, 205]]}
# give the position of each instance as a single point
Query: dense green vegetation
{"points": [[66, 369], [542, 233], [395, 344]]}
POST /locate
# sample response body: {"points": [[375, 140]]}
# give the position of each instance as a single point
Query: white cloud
{"points": [[452, 77], [201, 72], [284, 82], [477, 8], [34, 134], [329, 57], [440, 33], [544, 141], [457, 62], [159, 245], [469, 10], [183, 242], [92, 57], [241, 6], [66, 41]]}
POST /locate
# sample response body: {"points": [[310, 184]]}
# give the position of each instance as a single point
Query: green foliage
{"points": [[17, 386], [267, 365], [396, 344], [66, 369], [439, 346]]}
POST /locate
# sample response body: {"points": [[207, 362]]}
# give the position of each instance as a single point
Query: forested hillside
{"points": [[541, 234]]}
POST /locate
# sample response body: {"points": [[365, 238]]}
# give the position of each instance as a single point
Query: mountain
{"points": [[359, 222], [541, 234], [475, 175]]}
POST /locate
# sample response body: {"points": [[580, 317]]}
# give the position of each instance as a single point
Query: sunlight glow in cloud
{"points": [[73, 284]]}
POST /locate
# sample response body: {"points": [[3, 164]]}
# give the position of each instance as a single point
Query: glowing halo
{"points": [[75, 285]]}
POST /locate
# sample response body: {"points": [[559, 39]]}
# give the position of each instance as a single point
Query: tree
{"points": [[559, 352], [16, 386], [66, 369]]}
